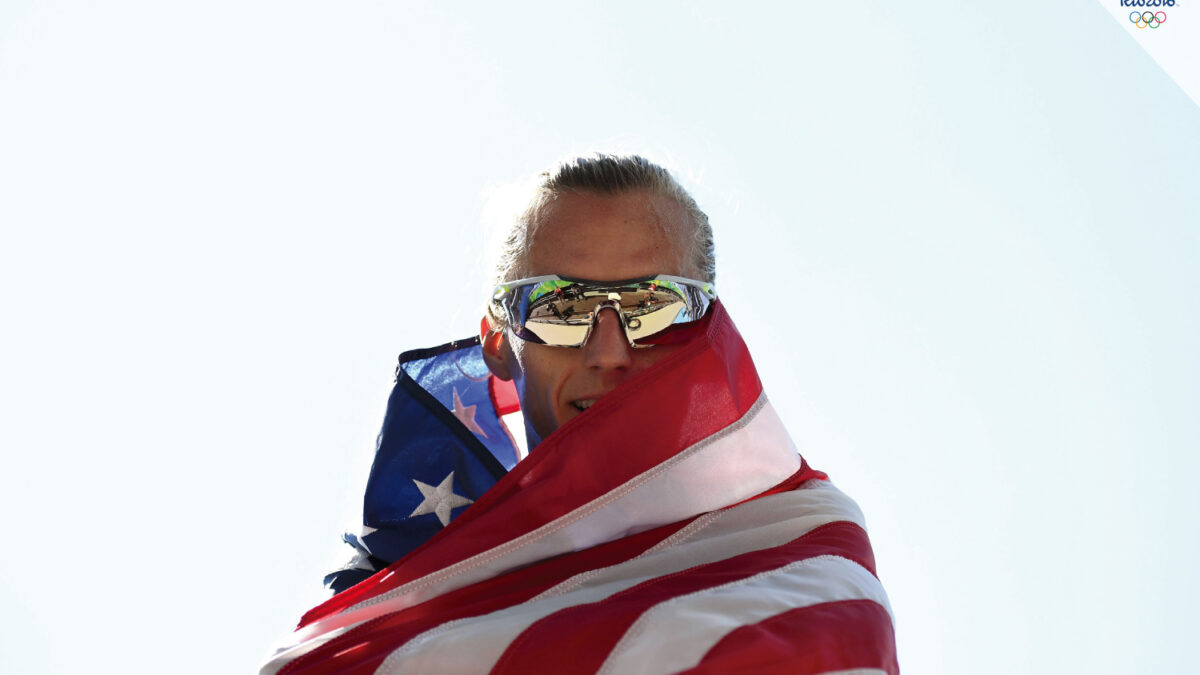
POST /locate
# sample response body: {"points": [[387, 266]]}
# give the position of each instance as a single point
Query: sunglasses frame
{"points": [[503, 292]]}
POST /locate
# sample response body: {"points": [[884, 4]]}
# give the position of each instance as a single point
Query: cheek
{"points": [[543, 370], [537, 386]]}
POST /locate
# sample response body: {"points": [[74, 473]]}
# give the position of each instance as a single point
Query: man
{"points": [[579, 232], [662, 522]]}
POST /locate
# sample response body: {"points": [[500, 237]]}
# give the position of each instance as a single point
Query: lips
{"points": [[584, 402]]}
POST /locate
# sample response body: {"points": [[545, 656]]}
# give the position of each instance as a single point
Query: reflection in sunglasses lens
{"points": [[655, 320], [561, 313]]}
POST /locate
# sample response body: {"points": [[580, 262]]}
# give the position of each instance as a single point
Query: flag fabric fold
{"points": [[671, 527], [442, 430]]}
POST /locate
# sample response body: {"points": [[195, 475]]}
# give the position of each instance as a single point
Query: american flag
{"points": [[672, 527]]}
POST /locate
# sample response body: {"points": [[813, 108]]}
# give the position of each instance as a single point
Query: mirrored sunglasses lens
{"points": [[561, 314], [651, 314], [559, 334]]}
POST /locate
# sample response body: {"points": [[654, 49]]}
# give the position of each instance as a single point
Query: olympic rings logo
{"points": [[1144, 19]]}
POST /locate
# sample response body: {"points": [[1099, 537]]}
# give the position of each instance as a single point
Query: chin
{"points": [[567, 414]]}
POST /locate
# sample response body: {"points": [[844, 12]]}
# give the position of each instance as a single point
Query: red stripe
{"points": [[713, 383], [365, 647], [578, 639], [816, 639]]}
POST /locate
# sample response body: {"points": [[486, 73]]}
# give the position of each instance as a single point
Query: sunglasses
{"points": [[560, 311]]}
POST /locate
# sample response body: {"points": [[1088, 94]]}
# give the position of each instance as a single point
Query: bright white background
{"points": [[962, 243]]}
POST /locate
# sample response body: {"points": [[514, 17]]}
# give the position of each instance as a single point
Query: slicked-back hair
{"points": [[607, 175]]}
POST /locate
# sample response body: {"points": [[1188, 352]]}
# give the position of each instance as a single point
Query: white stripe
{"points": [[753, 526], [751, 456], [516, 420], [675, 634], [475, 644], [736, 463]]}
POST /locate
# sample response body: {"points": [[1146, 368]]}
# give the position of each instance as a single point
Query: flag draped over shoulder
{"points": [[671, 527], [442, 446]]}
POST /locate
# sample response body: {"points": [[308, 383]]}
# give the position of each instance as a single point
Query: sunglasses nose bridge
{"points": [[607, 346], [608, 304]]}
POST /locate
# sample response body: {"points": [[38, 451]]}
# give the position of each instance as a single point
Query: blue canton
{"points": [[441, 447]]}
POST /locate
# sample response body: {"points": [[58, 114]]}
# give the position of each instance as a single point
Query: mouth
{"points": [[583, 403]]}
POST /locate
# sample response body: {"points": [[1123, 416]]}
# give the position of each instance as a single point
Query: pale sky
{"points": [[961, 241]]}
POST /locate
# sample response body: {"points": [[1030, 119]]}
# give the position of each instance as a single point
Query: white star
{"points": [[363, 533], [439, 500], [466, 415]]}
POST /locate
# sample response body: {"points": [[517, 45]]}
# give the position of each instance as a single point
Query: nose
{"points": [[607, 348]]}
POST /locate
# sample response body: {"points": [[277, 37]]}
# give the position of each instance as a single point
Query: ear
{"points": [[495, 348]]}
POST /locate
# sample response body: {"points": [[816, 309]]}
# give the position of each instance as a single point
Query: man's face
{"points": [[601, 238]]}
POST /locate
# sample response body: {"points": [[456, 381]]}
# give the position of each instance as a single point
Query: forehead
{"points": [[609, 237]]}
